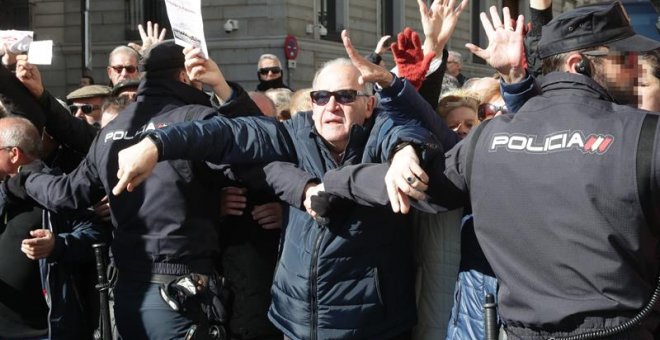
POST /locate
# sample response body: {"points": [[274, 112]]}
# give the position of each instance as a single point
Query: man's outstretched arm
{"points": [[244, 140]]}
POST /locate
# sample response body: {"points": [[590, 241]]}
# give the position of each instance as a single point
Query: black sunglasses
{"points": [[341, 96], [86, 108], [264, 71], [487, 110], [128, 68]]}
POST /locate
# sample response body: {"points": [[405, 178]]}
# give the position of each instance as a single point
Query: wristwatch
{"points": [[158, 142]]}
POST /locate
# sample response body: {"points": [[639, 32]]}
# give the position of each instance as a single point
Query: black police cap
{"points": [[162, 56], [591, 26]]}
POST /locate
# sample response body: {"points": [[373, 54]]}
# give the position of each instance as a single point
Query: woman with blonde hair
{"points": [[458, 109]]}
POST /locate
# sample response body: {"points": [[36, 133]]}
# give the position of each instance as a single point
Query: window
{"points": [[15, 15], [331, 16], [141, 11], [387, 15], [391, 17]]}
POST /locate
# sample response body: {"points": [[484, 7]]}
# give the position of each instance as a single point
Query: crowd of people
{"points": [[280, 213]]}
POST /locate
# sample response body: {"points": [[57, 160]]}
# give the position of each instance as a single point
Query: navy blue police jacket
{"points": [[166, 226], [562, 225]]}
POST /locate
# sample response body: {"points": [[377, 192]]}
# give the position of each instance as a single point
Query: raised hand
{"points": [[505, 51], [409, 57], [439, 22], [206, 71], [29, 75], [369, 71], [382, 47], [150, 37]]}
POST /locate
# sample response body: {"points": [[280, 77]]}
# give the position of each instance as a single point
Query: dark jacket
{"points": [[589, 260], [68, 274], [168, 225], [352, 278], [65, 280]]}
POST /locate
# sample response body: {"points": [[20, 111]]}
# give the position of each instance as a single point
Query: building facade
{"points": [[262, 28]]}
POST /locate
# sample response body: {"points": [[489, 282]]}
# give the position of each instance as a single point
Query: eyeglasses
{"points": [[7, 148], [487, 110], [85, 108], [120, 68], [264, 71], [626, 59], [341, 96]]}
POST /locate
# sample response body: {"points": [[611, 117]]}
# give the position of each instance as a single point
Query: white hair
{"points": [[367, 87], [271, 57]]}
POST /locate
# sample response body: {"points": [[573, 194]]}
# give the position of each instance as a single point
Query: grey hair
{"points": [[457, 56], [22, 134], [269, 56], [123, 49], [366, 88]]}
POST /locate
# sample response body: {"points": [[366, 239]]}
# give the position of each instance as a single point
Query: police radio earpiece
{"points": [[583, 67]]}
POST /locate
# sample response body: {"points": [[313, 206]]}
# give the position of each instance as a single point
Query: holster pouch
{"points": [[205, 299]]}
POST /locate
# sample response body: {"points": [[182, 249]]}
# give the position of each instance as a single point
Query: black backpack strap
{"points": [[470, 152], [644, 166]]}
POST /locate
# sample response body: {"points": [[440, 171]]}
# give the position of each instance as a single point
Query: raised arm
{"points": [[60, 124]]}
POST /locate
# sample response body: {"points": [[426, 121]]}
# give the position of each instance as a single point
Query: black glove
{"points": [[330, 207], [15, 186]]}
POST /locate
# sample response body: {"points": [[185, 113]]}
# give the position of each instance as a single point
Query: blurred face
{"points": [[8, 156], [618, 73], [7, 161], [269, 69], [122, 67], [492, 107], [334, 119], [453, 67], [87, 109], [129, 93], [461, 120], [648, 89], [84, 81]]}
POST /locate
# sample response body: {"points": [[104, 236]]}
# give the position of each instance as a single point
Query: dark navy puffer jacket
{"points": [[351, 278]]}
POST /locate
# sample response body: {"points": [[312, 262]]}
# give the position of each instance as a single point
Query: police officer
{"points": [[569, 224], [166, 229]]}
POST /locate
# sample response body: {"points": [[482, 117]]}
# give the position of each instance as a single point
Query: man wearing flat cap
{"points": [[85, 102], [571, 225]]}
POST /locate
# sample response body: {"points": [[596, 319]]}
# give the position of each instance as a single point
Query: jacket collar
{"points": [[557, 83], [175, 90], [357, 138]]}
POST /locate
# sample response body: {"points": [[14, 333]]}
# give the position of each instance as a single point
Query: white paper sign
{"points": [[187, 25], [16, 41], [41, 52]]}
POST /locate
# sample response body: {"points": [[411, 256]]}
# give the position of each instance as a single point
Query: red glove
{"points": [[409, 57]]}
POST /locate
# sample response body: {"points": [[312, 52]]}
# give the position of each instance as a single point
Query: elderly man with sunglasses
{"points": [[123, 65], [85, 103], [349, 277]]}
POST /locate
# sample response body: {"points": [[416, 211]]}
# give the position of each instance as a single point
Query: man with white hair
{"points": [[269, 72]]}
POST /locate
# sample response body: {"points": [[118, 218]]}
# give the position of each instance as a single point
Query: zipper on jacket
{"points": [[313, 298]]}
